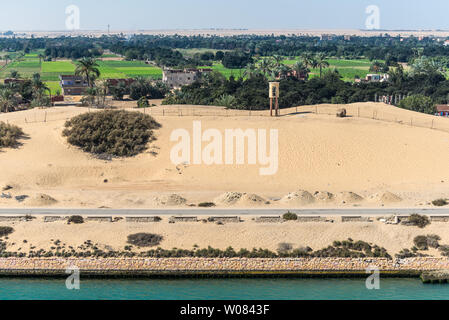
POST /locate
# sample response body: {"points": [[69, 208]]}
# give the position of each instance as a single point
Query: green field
{"points": [[54, 86], [128, 69], [348, 69], [29, 64]]}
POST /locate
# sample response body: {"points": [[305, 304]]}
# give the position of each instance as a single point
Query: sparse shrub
{"points": [[206, 205], [440, 202], [114, 132], [76, 219], [433, 240], [145, 239], [417, 220], [405, 253], [143, 103], [289, 216], [421, 242], [284, 247], [5, 231], [9, 135], [444, 250]]}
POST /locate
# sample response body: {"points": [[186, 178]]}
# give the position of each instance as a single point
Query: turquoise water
{"points": [[227, 289]]}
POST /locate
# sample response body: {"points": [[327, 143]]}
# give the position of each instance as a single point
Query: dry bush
{"points": [[76, 220], [145, 239], [5, 231], [9, 135], [116, 132]]}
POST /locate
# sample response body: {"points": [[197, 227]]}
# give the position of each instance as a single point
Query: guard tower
{"points": [[274, 95]]}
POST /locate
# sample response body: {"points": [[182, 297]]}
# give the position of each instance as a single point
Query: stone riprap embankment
{"points": [[173, 265]]}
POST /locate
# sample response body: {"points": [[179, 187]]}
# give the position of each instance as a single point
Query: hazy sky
{"points": [[197, 14]]}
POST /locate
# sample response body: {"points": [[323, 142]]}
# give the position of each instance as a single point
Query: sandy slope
{"points": [[317, 152]]}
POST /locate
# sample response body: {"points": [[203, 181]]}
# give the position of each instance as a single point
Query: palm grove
{"points": [[423, 81]]}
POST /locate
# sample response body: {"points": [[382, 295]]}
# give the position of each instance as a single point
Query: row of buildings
{"points": [[174, 78]]}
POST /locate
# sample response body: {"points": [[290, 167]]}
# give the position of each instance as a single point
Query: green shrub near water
{"points": [[116, 133]]}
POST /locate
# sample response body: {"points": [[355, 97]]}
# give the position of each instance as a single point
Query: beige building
{"points": [[176, 78]]}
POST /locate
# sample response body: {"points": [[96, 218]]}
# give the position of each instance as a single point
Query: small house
{"points": [[442, 110], [73, 85], [176, 78]]}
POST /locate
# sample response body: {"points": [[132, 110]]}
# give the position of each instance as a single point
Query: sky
{"points": [[49, 15]]}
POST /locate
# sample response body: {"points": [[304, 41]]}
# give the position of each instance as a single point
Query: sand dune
{"points": [[345, 157]]}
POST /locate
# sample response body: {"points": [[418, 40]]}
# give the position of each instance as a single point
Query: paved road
{"points": [[223, 212]]}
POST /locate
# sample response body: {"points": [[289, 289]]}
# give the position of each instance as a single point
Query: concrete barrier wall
{"points": [[55, 218], [184, 219], [12, 218], [225, 219], [143, 219], [311, 219], [274, 219], [439, 218], [99, 219], [355, 219]]}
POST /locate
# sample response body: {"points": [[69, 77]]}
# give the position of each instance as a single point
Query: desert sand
{"points": [[340, 162]]}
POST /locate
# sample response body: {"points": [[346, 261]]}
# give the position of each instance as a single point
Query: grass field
{"points": [[29, 64], [128, 69], [54, 87], [348, 69]]}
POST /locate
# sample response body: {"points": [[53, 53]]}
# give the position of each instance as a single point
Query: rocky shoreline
{"points": [[218, 266]]}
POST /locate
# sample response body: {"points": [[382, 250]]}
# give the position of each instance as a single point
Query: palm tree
{"points": [[283, 71], [89, 69], [7, 99], [277, 60], [14, 74], [376, 66], [301, 69], [41, 57], [265, 66], [397, 75], [321, 62], [309, 60], [7, 58], [250, 71]]}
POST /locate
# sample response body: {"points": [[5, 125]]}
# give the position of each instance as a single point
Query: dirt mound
{"points": [[389, 197], [386, 197], [324, 196], [252, 199], [348, 197], [41, 200], [237, 198], [300, 197], [228, 198], [171, 200]]}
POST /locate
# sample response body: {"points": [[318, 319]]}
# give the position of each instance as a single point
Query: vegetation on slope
{"points": [[9, 135], [115, 133]]}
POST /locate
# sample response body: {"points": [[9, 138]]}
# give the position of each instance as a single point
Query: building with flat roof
{"points": [[176, 78], [73, 85], [442, 110]]}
